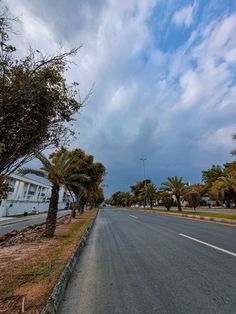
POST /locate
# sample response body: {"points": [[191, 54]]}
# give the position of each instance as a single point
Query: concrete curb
{"points": [[196, 217], [59, 289], [199, 217], [13, 222]]}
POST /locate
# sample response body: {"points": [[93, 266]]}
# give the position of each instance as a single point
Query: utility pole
{"points": [[144, 173], [144, 178]]}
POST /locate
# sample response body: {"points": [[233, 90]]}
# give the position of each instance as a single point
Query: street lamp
{"points": [[144, 173], [144, 177]]}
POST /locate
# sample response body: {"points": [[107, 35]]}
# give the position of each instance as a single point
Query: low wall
{"points": [[19, 207]]}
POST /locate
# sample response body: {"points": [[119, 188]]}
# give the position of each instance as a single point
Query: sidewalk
{"points": [[11, 220], [6, 219]]}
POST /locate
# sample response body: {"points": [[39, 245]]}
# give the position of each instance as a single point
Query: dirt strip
{"points": [[30, 265]]}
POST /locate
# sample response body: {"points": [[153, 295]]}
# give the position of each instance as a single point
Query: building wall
{"points": [[26, 194]]}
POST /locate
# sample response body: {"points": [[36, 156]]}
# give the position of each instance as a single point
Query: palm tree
{"points": [[78, 189], [215, 191], [57, 173], [177, 187], [149, 191], [227, 187]]}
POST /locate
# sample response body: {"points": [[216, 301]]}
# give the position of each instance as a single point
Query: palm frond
{"points": [[46, 163], [78, 177], [24, 171], [64, 161]]}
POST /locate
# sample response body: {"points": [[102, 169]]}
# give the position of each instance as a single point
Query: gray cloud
{"points": [[177, 108]]}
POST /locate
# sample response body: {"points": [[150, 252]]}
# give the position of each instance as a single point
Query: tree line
{"points": [[37, 106], [219, 183]]}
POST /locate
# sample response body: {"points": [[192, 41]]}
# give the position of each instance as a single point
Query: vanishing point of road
{"points": [[137, 262]]}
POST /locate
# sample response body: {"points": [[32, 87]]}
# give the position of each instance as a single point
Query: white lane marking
{"points": [[133, 216], [210, 245]]}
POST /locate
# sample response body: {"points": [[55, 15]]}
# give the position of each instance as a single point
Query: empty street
{"points": [[137, 262]]}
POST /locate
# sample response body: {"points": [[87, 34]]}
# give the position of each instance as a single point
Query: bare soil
{"points": [[30, 265]]}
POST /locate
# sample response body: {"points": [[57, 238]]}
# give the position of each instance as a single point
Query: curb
{"points": [[196, 217], [199, 217], [59, 289], [13, 222], [26, 219]]}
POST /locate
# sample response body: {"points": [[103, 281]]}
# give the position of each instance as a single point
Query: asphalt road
{"points": [[137, 262], [21, 223]]}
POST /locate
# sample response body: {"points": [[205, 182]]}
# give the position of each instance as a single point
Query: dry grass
{"points": [[29, 271]]}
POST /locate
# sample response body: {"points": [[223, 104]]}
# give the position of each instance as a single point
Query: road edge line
{"points": [[59, 289]]}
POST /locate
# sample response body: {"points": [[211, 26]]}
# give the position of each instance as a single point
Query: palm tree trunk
{"points": [[178, 203], [73, 212], [52, 212]]}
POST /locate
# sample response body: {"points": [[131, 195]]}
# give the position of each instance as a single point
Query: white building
{"points": [[26, 194]]}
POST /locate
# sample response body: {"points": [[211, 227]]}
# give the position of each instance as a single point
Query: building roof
{"points": [[29, 180]]}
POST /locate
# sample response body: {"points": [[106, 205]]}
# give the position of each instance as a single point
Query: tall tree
{"points": [[227, 189], [89, 191], [215, 191], [149, 191], [221, 183], [209, 176], [36, 102], [56, 172], [139, 191], [177, 187]]}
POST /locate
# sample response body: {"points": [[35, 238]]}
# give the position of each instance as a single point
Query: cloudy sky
{"points": [[164, 75]]}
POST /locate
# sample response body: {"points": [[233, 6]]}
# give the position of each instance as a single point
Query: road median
{"points": [[34, 274], [214, 217]]}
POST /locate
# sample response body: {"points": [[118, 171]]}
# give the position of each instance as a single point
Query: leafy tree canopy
{"points": [[137, 188], [36, 102], [211, 175]]}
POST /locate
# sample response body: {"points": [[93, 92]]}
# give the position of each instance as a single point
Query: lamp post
{"points": [[144, 178], [144, 173]]}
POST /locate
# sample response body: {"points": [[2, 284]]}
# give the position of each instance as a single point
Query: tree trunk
{"points": [[151, 201], [52, 212], [73, 212], [178, 203]]}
